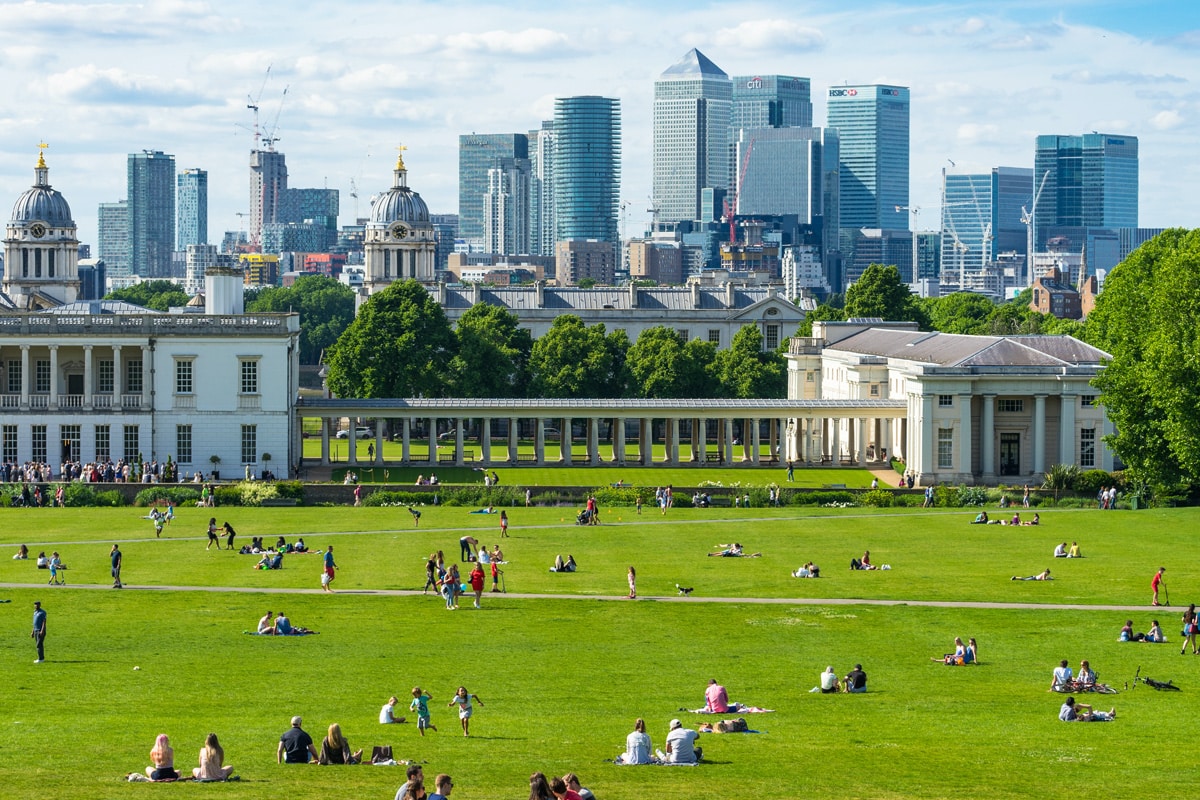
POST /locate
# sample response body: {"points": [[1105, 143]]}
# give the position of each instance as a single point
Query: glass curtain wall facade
{"points": [[151, 200], [692, 105], [191, 200], [1091, 181], [478, 153], [587, 168], [873, 126]]}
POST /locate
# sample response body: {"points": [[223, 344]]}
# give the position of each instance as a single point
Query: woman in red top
{"points": [[476, 581]]}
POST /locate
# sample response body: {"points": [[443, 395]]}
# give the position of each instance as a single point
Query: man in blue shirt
{"points": [[39, 630]]}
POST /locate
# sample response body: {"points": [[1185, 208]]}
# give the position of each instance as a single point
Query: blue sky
{"points": [[100, 80]]}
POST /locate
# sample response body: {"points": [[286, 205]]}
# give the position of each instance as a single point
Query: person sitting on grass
{"points": [[637, 746], [22, 553], [971, 654], [266, 625], [980, 519], [829, 681], [809, 570], [1074, 551], [1041, 576], [1127, 634], [1060, 551], [162, 757], [42, 561], [1082, 712], [564, 566], [958, 657], [1037, 520], [1086, 679], [1155, 634], [716, 699], [212, 761], [387, 714], [336, 750], [681, 745], [572, 782], [855, 681], [1062, 679]]}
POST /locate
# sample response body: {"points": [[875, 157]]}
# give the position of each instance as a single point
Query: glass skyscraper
{"points": [[478, 153], [587, 168], [873, 127], [191, 201], [981, 216], [151, 198], [770, 101], [112, 220], [692, 104], [1090, 181]]}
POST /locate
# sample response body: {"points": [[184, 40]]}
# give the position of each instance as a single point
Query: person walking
{"points": [[503, 524], [115, 557], [632, 583], [330, 566], [39, 631], [791, 472], [1190, 627]]}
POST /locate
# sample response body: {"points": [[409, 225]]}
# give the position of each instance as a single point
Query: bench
{"points": [[721, 500], [713, 458], [449, 458], [280, 501], [770, 461], [527, 458]]}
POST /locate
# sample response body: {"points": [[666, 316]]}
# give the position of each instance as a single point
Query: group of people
{"points": [[297, 747], [1155, 634], [161, 518], [982, 518], [809, 570], [1063, 679], [565, 788], [733, 550], [1106, 498], [212, 761], [463, 699], [564, 566], [446, 580], [215, 534], [963, 655], [432, 480], [273, 624], [680, 746], [855, 681], [1062, 551], [414, 786]]}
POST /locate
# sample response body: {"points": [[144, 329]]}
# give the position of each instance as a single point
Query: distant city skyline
{"points": [[100, 81]]}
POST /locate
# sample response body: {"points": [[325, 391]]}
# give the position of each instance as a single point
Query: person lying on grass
{"points": [[733, 550], [1082, 712], [1041, 576]]}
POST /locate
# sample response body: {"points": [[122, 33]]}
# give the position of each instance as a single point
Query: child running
{"points": [[462, 698], [632, 583], [420, 706]]}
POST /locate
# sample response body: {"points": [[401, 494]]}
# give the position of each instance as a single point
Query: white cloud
{"points": [[529, 42], [1166, 120], [155, 18], [93, 85], [970, 27], [767, 34], [975, 132]]}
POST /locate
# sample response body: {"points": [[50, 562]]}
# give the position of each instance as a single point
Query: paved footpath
{"points": [[777, 601]]}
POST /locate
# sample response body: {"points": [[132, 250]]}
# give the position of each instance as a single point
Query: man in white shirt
{"points": [[1062, 677], [681, 745]]}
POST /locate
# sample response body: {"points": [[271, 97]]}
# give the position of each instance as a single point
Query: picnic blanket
{"points": [[734, 708]]}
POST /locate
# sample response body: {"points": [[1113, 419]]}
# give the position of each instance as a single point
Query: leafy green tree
{"points": [[574, 360], [961, 312], [399, 345], [493, 353], [663, 366], [326, 309], [746, 371], [1148, 319], [620, 381], [154, 295], [879, 292]]}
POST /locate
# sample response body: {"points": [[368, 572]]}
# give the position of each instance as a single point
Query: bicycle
{"points": [[1167, 686], [1075, 687]]}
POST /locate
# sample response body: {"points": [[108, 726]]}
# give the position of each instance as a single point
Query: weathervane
{"points": [[400, 157], [41, 155]]}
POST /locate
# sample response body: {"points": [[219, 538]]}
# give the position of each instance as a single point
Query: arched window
{"points": [[24, 263], [37, 263], [387, 264], [50, 263]]}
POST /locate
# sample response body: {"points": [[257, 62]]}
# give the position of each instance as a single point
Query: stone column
{"points": [[835, 442], [755, 441], [53, 389], [927, 440], [727, 455], [646, 441], [25, 377], [619, 441], [862, 440], [965, 445], [379, 441], [324, 442], [673, 448], [987, 444], [88, 386], [485, 440], [1066, 430], [539, 441], [700, 434], [458, 441], [1039, 434], [146, 377], [566, 441], [118, 380], [513, 427], [405, 440], [432, 432], [352, 441]]}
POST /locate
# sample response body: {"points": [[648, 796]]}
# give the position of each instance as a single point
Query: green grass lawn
{"points": [[563, 679]]}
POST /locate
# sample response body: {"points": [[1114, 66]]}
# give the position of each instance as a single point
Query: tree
{"points": [[1148, 319], [154, 295], [880, 293], [746, 371], [399, 345], [573, 360], [661, 365], [326, 309], [961, 312], [493, 354]]}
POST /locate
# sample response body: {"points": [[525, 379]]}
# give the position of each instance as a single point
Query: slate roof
{"points": [[959, 350], [575, 299]]}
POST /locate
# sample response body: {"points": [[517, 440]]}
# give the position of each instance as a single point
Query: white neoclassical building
{"points": [[91, 381], [980, 409]]}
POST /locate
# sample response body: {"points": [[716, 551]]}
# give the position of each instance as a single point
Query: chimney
{"points": [[695, 287], [730, 295], [223, 291], [633, 295], [539, 288], [475, 294], [441, 293]]}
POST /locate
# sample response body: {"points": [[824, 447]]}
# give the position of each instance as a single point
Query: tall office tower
{"points": [[541, 190], [268, 182], [191, 201], [692, 102], [784, 171], [770, 101], [477, 153], [587, 168], [872, 124], [445, 227], [506, 208], [1090, 181], [318, 207], [112, 220], [151, 198]]}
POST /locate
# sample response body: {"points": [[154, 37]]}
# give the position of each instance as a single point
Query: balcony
{"points": [[10, 402], [70, 401], [131, 402], [186, 402], [102, 402], [39, 402]]}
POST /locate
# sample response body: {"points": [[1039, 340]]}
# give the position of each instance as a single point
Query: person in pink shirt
{"points": [[716, 701]]}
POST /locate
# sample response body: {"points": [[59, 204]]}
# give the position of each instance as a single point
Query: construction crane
{"points": [[269, 138], [1028, 218], [914, 210], [252, 104], [731, 206]]}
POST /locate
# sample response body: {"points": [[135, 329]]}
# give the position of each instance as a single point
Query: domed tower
{"points": [[41, 250], [399, 242]]}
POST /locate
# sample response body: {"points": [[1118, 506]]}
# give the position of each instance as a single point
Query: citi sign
{"points": [[843, 92]]}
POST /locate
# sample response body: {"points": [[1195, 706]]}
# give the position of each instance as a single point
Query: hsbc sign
{"points": [[843, 92]]}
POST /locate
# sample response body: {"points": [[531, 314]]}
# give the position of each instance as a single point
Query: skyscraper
{"points": [[587, 168], [112, 222], [872, 124], [770, 101], [191, 201], [477, 153], [268, 182], [692, 105], [151, 198], [506, 207], [541, 190], [1090, 181], [783, 171]]}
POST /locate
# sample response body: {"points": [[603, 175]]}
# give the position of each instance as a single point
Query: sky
{"points": [[342, 84]]}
